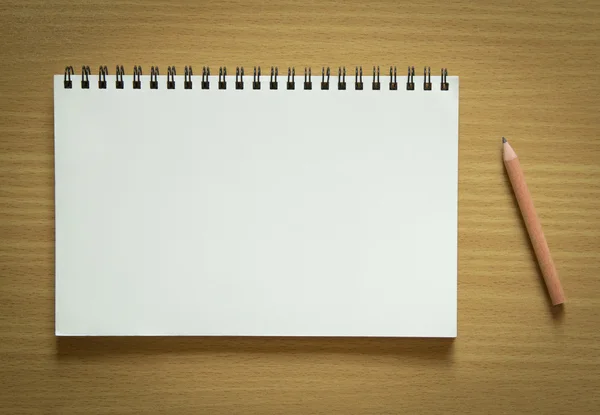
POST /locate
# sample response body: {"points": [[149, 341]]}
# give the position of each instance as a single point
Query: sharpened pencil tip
{"points": [[503, 140]]}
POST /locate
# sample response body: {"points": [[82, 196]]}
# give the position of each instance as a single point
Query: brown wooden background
{"points": [[529, 71]]}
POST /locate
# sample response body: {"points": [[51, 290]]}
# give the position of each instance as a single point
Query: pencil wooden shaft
{"points": [[534, 228]]}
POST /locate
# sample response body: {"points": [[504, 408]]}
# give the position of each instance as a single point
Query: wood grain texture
{"points": [[528, 71]]}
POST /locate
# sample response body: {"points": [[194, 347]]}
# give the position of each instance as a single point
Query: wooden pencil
{"points": [[532, 222]]}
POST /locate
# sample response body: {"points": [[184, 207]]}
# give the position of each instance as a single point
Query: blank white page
{"points": [[256, 212]]}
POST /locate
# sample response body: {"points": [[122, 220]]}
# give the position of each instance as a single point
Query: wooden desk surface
{"points": [[529, 71]]}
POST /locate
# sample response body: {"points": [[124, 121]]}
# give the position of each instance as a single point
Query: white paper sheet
{"points": [[256, 212]]}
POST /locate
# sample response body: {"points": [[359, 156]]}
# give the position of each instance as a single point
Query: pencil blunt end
{"points": [[503, 140]]}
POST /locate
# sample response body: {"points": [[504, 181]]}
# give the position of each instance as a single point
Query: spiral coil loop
{"points": [[154, 77], [342, 78], [137, 77], [410, 80], [325, 83], [291, 83], [171, 77], [376, 83], [307, 79], [223, 77], [358, 81], [256, 79], [119, 84], [427, 79], [187, 77], [273, 79], [85, 77], [239, 78], [444, 85], [393, 80], [102, 72], [205, 76], [68, 83]]}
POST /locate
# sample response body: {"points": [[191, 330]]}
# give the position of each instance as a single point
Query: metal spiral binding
{"points": [[102, 72], [85, 77], [154, 77], [205, 75], [256, 83], [358, 82], [187, 77], [393, 80], [171, 77], [67, 81], [273, 79], [119, 84], [342, 78], [291, 83], [376, 83], [256, 79], [239, 78], [410, 82], [444, 85], [222, 77], [307, 79], [427, 79], [137, 77], [325, 84]]}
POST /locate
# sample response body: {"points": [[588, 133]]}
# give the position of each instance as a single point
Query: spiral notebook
{"points": [[256, 204]]}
